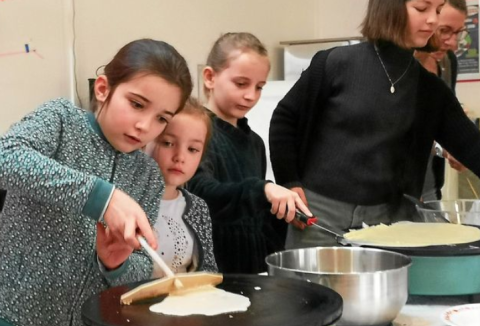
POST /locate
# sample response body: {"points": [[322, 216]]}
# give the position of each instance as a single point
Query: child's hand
{"points": [[124, 218], [301, 193], [284, 202], [112, 251]]}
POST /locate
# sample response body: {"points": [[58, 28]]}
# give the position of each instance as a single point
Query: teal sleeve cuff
{"points": [[4, 323], [98, 199], [114, 273]]}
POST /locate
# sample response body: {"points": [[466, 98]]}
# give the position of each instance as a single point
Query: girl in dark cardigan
{"points": [[355, 132], [231, 177]]}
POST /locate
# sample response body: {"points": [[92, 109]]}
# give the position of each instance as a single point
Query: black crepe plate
{"points": [[274, 302]]}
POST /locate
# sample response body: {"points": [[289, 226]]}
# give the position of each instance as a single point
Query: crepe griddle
{"points": [[461, 249], [274, 301], [443, 269]]}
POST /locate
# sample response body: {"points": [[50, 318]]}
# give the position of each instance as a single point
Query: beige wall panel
{"points": [[339, 18], [191, 26]]}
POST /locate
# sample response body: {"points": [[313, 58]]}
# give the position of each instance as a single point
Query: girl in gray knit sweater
{"points": [[65, 169]]}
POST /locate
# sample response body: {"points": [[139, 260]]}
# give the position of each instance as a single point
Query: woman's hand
{"points": [[301, 193], [453, 162], [284, 202], [112, 251], [124, 218]]}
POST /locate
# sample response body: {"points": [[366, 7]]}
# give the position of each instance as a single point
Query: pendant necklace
{"points": [[392, 87]]}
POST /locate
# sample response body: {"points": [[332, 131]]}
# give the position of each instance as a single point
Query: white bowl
{"points": [[464, 315], [461, 211]]}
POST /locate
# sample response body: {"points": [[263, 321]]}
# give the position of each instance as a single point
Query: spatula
{"points": [[171, 283], [309, 221], [157, 259]]}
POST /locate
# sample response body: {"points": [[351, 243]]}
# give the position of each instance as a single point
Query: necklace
{"points": [[392, 87]]}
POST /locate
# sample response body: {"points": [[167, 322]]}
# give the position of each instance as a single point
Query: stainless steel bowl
{"points": [[461, 211], [372, 282]]}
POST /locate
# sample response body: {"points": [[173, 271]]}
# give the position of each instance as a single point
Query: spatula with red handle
{"points": [[315, 221]]}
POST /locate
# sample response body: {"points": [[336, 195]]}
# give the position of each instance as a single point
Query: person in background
{"points": [[231, 177], [183, 227], [355, 132], [443, 63], [64, 169]]}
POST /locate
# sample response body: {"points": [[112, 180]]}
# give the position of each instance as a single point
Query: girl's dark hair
{"points": [[149, 57], [387, 20], [221, 52]]}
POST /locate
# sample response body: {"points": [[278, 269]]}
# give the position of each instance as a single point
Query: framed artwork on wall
{"points": [[468, 46]]}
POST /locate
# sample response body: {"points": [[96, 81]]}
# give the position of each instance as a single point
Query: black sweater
{"points": [[438, 163], [231, 179], [341, 133]]}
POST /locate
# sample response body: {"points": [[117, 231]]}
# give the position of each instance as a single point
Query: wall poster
{"points": [[468, 50]]}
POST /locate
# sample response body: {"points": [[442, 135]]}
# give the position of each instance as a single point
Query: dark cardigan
{"points": [[231, 179], [298, 119]]}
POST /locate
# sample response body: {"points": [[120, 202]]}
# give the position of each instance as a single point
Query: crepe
{"points": [[408, 234], [208, 301]]}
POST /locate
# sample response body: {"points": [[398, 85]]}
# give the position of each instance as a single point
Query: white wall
{"points": [[102, 26], [190, 26], [339, 18], [28, 79]]}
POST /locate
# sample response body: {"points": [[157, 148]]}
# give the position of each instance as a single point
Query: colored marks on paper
{"points": [[27, 50]]}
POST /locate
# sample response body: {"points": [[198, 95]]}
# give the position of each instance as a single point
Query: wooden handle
{"points": [[156, 258]]}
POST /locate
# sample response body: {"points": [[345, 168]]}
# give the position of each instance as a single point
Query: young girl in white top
{"points": [[183, 227]]}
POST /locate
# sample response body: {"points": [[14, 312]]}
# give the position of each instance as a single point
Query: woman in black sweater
{"points": [[355, 132]]}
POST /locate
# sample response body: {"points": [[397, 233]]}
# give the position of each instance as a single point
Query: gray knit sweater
{"points": [[197, 217], [59, 171]]}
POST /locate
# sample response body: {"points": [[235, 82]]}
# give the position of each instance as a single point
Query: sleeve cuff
{"points": [[292, 184], [439, 150], [114, 273], [98, 199]]}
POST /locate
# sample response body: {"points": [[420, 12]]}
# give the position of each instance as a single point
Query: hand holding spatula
{"points": [[171, 283]]}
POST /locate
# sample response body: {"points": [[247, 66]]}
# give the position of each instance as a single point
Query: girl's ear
{"points": [[208, 77], [101, 88]]}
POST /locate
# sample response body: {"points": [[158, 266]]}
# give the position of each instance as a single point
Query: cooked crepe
{"points": [[407, 234]]}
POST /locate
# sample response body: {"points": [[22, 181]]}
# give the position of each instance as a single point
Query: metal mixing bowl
{"points": [[461, 211], [372, 282]]}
